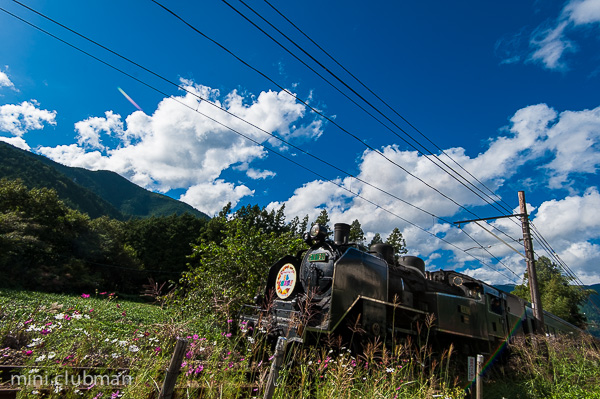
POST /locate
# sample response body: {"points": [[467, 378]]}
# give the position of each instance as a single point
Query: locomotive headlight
{"points": [[318, 232]]}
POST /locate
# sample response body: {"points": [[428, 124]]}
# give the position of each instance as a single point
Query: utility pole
{"points": [[538, 313]]}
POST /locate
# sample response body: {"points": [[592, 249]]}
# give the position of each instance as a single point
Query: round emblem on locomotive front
{"points": [[286, 281]]}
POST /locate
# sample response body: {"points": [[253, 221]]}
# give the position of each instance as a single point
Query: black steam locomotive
{"points": [[341, 288]]}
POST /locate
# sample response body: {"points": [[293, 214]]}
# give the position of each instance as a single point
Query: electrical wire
{"points": [[356, 195], [305, 103], [466, 181], [381, 100]]}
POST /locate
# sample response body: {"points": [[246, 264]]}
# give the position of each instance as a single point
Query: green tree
{"points": [[163, 243], [376, 239], [558, 295], [45, 245], [357, 234], [227, 273], [396, 240], [323, 219]]}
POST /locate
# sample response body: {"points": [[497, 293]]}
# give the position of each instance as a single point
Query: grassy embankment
{"points": [[50, 335]]}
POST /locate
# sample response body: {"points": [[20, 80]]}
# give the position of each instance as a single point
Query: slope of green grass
{"points": [[130, 344]]}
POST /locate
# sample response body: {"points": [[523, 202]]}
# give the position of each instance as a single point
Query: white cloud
{"points": [[90, 130], [254, 174], [212, 196], [177, 147], [564, 144], [5, 81], [574, 140], [17, 142], [18, 119], [551, 44], [582, 12]]}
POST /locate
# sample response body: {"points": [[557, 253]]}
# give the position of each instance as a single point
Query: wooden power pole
{"points": [[538, 313]]}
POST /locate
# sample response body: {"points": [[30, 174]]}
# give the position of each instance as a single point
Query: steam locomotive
{"points": [[341, 288]]}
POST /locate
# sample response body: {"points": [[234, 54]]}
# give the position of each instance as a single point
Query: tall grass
{"points": [[53, 334]]}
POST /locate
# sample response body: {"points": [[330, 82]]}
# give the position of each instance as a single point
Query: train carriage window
{"points": [[495, 305]]}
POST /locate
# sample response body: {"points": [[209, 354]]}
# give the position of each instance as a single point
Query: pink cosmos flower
{"points": [[85, 295]]}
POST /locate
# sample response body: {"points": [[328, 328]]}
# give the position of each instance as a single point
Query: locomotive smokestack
{"points": [[384, 251], [341, 233]]}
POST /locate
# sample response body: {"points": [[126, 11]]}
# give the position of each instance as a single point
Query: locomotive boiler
{"points": [[341, 288]]}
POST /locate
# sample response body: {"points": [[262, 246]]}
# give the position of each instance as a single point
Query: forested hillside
{"points": [[97, 193], [47, 246]]}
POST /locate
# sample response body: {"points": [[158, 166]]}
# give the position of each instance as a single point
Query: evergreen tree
{"points": [[396, 240], [558, 296], [303, 225], [323, 219], [376, 239], [357, 235]]}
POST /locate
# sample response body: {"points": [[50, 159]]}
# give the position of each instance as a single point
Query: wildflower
{"points": [[124, 313], [103, 293], [157, 349], [85, 295], [28, 321], [40, 358], [184, 364], [28, 352], [67, 317], [45, 331], [114, 395], [188, 355], [389, 370], [91, 310], [230, 321], [195, 337], [133, 348]]}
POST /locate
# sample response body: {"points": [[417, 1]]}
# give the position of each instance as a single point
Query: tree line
{"points": [[47, 246]]}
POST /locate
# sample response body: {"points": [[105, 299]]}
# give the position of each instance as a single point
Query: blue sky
{"points": [[509, 92]]}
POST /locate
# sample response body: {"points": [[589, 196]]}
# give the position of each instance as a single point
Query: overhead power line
{"points": [[254, 141], [306, 104], [355, 92], [381, 99]]}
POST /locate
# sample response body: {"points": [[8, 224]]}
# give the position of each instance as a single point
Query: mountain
{"points": [[96, 193]]}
